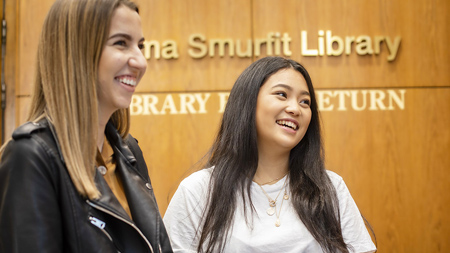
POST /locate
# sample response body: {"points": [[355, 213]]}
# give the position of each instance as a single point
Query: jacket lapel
{"points": [[107, 199], [138, 190]]}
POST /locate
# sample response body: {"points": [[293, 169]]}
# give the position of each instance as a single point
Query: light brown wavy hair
{"points": [[65, 89]]}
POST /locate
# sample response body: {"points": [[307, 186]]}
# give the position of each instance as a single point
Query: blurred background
{"points": [[380, 69]]}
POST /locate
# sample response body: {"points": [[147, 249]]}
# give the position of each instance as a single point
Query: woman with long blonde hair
{"points": [[72, 179]]}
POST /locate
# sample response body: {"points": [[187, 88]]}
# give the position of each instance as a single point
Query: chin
{"points": [[124, 104], [287, 146]]}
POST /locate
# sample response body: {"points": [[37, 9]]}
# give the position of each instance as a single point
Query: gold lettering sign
{"points": [[275, 43], [206, 102]]}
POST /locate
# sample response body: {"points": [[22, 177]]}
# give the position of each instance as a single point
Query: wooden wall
{"points": [[394, 152]]}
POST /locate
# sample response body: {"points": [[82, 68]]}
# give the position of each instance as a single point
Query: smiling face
{"points": [[122, 63], [282, 111]]}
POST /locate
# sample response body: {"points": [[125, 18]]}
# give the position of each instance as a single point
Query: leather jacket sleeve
{"points": [[30, 220], [41, 210]]}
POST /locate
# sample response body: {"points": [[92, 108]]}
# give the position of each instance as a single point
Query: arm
{"points": [[183, 216], [30, 220], [353, 227]]}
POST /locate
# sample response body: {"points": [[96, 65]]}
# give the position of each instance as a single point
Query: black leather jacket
{"points": [[41, 211]]}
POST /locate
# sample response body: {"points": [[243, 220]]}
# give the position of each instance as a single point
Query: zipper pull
{"points": [[100, 224]]}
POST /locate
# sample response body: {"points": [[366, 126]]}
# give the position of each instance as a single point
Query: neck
{"points": [[271, 167], [102, 121]]}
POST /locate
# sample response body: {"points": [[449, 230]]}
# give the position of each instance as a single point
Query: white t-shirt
{"points": [[183, 216]]}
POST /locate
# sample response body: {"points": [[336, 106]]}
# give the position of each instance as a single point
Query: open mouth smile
{"points": [[287, 123], [127, 80]]}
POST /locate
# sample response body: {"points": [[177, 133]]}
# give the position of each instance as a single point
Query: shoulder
{"points": [[195, 186], [346, 201], [353, 227], [335, 178], [197, 179], [189, 199], [31, 139], [27, 129], [339, 184], [30, 158]]}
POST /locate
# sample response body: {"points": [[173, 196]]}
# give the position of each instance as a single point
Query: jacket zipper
{"points": [[101, 225], [122, 219]]}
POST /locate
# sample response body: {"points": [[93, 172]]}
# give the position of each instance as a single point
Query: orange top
{"points": [[111, 177]]}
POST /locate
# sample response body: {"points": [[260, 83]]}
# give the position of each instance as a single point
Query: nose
{"points": [[137, 60], [293, 108]]}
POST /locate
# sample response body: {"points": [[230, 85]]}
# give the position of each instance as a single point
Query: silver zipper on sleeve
{"points": [[122, 219]]}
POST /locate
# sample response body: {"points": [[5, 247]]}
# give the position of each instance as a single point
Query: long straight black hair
{"points": [[234, 155]]}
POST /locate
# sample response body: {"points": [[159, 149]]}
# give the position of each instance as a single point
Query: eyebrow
{"points": [[304, 92], [126, 36]]}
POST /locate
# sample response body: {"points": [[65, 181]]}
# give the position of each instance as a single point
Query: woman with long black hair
{"points": [[264, 187]]}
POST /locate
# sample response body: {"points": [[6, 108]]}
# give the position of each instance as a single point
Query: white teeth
{"points": [[127, 80], [287, 123]]}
